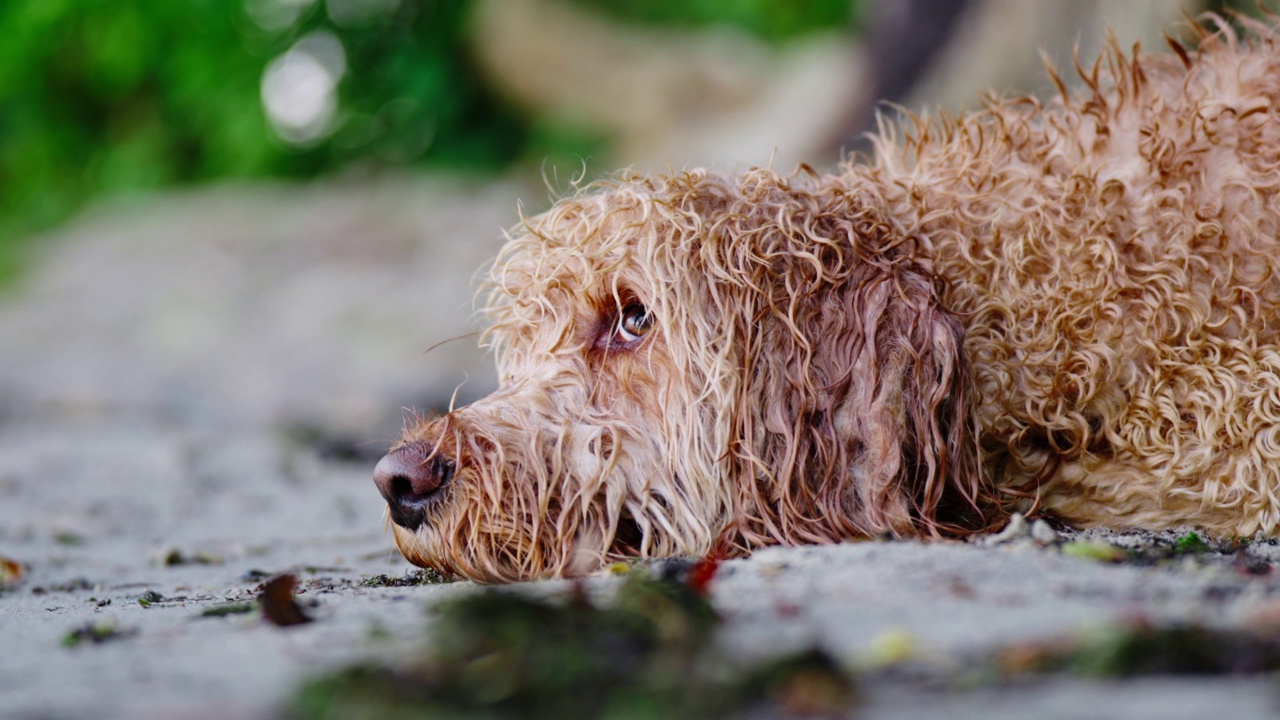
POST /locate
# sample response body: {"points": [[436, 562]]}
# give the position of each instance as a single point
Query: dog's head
{"points": [[693, 364]]}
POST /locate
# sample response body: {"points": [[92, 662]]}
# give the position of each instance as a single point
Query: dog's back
{"points": [[1114, 258]]}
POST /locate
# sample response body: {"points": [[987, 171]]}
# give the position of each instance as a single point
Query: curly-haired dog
{"points": [[1075, 304]]}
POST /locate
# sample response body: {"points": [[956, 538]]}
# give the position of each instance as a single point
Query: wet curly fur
{"points": [[1070, 306]]}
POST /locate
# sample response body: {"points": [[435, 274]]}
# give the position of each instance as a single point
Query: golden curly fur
{"points": [[1073, 303]]}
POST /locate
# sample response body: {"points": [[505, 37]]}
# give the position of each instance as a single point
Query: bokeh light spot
{"points": [[300, 88]]}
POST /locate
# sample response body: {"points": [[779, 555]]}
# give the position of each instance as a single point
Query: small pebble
{"points": [[1015, 530], [1042, 533]]}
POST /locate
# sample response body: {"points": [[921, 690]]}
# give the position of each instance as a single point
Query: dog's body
{"points": [[1074, 304]]}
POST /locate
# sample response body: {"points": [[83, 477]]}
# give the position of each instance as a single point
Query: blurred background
{"points": [[271, 211]]}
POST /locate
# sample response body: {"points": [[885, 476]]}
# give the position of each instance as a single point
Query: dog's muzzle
{"points": [[411, 478]]}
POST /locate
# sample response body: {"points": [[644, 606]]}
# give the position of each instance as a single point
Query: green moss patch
{"points": [[1141, 649], [225, 609], [95, 633], [646, 654]]}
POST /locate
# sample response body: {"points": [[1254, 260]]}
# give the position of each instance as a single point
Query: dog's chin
{"points": [[414, 549], [589, 552]]}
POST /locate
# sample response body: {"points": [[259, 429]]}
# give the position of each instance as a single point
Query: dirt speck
{"points": [[425, 576]]}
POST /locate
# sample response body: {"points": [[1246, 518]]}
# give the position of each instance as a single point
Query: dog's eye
{"points": [[634, 322]]}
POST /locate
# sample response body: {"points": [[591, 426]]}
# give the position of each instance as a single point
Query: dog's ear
{"points": [[859, 420], [920, 468]]}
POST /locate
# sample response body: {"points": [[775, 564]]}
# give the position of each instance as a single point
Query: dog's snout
{"points": [[409, 477]]}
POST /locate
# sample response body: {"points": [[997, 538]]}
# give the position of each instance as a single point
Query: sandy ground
{"points": [[193, 393]]}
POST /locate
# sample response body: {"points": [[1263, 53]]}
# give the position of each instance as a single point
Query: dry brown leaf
{"points": [[278, 605], [11, 571]]}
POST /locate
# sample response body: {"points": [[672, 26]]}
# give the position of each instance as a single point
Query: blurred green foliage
{"points": [[112, 96], [109, 97], [773, 20]]}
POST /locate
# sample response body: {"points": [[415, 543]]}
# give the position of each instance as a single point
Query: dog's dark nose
{"points": [[409, 477]]}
